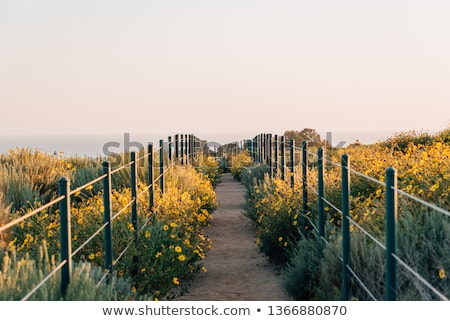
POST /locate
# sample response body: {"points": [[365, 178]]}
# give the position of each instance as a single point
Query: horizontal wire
{"points": [[421, 201], [420, 278], [34, 212], [123, 209], [89, 239], [366, 233], [115, 170], [361, 283], [123, 252], [367, 177], [29, 294], [102, 279], [331, 204], [78, 189]]}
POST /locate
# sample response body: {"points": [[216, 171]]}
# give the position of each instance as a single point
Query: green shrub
{"points": [[301, 276]]}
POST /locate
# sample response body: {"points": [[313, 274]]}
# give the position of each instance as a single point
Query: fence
{"points": [[270, 149], [185, 148]]}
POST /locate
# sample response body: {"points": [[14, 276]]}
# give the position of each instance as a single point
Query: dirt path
{"points": [[236, 268]]}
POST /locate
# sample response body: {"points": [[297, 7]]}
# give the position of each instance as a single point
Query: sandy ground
{"points": [[236, 268]]}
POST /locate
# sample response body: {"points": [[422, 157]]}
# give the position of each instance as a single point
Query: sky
{"points": [[223, 69]]}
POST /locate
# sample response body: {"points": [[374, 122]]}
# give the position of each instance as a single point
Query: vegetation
{"points": [[311, 267], [171, 233]]}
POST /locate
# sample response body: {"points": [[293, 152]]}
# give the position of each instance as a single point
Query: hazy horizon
{"points": [[223, 68], [92, 145]]}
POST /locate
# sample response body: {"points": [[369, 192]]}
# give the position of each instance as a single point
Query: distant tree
{"points": [[307, 134]]}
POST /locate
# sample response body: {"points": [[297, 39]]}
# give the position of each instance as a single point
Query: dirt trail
{"points": [[236, 268]]}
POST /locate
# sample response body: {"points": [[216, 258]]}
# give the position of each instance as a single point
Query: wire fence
{"points": [[181, 151], [271, 150]]}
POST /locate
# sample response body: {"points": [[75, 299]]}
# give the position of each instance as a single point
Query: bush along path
{"points": [[236, 269]]}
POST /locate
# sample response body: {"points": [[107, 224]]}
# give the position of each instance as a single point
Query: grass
{"points": [[172, 235]]}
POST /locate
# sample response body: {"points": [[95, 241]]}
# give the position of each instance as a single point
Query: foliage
{"points": [[239, 162], [422, 163], [301, 276], [307, 134], [20, 274]]}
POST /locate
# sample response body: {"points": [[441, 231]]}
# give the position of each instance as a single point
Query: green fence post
{"points": [[107, 216], [270, 160], [282, 155], [177, 144], [345, 227], [134, 214], [186, 148], [292, 162], [169, 148], [65, 233], [391, 217], [321, 193], [275, 154], [161, 165], [151, 190], [304, 182]]}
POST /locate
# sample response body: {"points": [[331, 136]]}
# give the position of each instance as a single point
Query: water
{"points": [[99, 145]]}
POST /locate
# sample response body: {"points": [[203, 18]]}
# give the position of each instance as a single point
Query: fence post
{"points": [[282, 156], [151, 190], [182, 149], [134, 214], [161, 165], [275, 156], [269, 146], [292, 162], [345, 227], [107, 216], [321, 193], [176, 148], [391, 217], [169, 143], [304, 182], [65, 233], [186, 149]]}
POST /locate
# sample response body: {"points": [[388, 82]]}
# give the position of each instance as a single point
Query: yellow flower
{"points": [[147, 234], [159, 254], [143, 270], [203, 269], [173, 224], [89, 187], [441, 273], [178, 249], [165, 227], [176, 281], [121, 272], [91, 256], [280, 239], [98, 254], [181, 257]]}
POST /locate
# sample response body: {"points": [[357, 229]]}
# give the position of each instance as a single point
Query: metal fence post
{"points": [[345, 227], [151, 190], [65, 233], [269, 153], [107, 216], [161, 165], [169, 143], [177, 156], [275, 156], [292, 162], [282, 155], [304, 182], [133, 178], [321, 192], [391, 217]]}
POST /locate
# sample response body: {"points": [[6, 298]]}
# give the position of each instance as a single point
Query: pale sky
{"points": [[222, 67]]}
